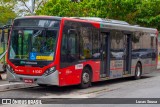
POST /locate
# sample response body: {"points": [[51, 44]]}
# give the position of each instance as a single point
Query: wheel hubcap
{"points": [[85, 77], [138, 72]]}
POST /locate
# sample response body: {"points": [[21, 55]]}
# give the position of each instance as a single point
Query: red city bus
{"points": [[63, 51]]}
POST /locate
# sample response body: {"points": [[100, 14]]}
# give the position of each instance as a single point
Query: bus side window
{"points": [[69, 48], [64, 48], [85, 43], [72, 47]]}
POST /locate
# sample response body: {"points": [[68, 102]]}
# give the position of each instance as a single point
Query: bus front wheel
{"points": [[85, 78], [138, 71]]}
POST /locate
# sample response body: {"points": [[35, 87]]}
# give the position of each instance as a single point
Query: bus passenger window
{"points": [[72, 48], [85, 43], [117, 45], [69, 48], [95, 44]]}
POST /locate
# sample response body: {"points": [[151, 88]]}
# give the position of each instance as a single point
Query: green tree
{"points": [[55, 8], [142, 12], [6, 11], [149, 14]]}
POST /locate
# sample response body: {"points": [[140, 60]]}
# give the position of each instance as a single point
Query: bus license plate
{"points": [[28, 80]]}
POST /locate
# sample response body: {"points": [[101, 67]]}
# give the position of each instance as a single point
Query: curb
{"points": [[12, 85], [17, 85]]}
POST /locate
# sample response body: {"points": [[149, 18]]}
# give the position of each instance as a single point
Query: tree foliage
{"points": [[143, 12], [26, 6], [6, 11], [149, 14]]}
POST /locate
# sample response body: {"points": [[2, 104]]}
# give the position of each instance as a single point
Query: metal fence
{"points": [[4, 35]]}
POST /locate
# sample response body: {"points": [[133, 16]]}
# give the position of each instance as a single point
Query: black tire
{"points": [[138, 71], [42, 85], [86, 78]]}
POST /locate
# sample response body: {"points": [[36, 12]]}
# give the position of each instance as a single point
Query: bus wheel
{"points": [[85, 78], [138, 71]]}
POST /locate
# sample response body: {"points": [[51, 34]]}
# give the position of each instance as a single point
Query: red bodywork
{"points": [[68, 75]]}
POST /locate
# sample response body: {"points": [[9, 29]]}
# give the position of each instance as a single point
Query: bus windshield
{"points": [[33, 43], [33, 39]]}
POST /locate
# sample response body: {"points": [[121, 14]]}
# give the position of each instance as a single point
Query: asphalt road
{"points": [[147, 87]]}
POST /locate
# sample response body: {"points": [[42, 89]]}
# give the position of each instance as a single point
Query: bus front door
{"points": [[105, 56]]}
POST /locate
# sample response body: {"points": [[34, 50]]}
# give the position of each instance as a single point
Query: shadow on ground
{"points": [[69, 89]]}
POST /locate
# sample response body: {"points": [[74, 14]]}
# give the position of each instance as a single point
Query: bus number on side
{"points": [[79, 66]]}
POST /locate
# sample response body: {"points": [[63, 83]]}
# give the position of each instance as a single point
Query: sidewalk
{"points": [[5, 85]]}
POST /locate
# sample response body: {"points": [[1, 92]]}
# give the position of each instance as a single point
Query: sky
{"points": [[20, 6]]}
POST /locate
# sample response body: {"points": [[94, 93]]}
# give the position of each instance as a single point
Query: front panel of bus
{"points": [[31, 51]]}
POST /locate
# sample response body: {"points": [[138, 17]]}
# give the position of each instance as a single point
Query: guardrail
{"points": [[4, 30], [3, 54]]}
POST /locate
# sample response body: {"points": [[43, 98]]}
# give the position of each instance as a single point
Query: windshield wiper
{"points": [[37, 33]]}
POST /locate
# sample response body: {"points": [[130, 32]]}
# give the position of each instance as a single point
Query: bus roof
{"points": [[127, 27], [117, 24], [104, 23], [97, 19], [40, 17]]}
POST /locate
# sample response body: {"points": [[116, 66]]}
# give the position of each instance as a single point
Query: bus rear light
{"points": [[50, 71]]}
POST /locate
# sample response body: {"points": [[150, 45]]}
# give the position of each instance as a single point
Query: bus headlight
{"points": [[50, 71]]}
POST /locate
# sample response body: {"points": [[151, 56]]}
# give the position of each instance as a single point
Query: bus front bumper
{"points": [[51, 79]]}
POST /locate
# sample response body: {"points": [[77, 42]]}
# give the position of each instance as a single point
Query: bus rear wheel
{"points": [[85, 78], [138, 71]]}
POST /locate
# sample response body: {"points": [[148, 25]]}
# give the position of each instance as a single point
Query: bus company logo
{"points": [[18, 101], [23, 62], [19, 70], [6, 101], [34, 63]]}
